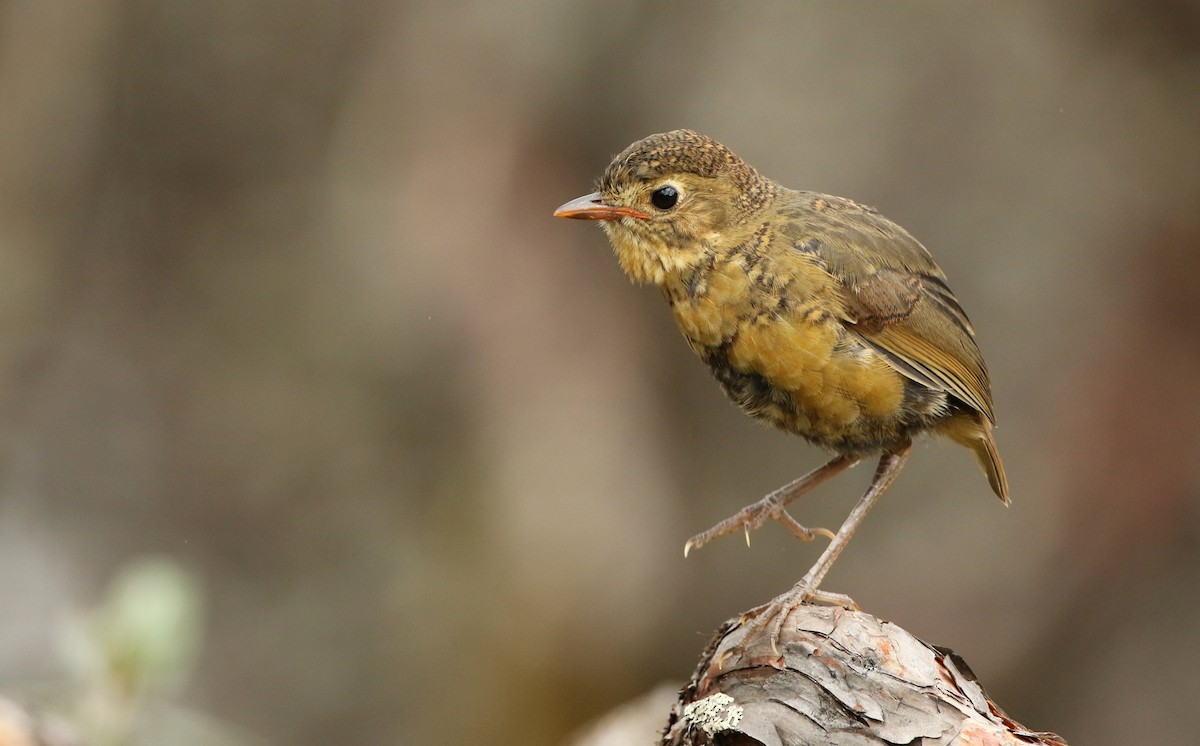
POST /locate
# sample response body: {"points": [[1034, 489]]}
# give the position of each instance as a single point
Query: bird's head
{"points": [[670, 199]]}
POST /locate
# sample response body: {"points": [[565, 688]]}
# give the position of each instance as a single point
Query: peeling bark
{"points": [[839, 677]]}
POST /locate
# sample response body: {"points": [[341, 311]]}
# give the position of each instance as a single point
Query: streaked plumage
{"points": [[816, 314]]}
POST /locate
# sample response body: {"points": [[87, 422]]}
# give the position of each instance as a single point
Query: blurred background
{"points": [[315, 427]]}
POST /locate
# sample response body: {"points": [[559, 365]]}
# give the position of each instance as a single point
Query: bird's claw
{"points": [[751, 518], [774, 614]]}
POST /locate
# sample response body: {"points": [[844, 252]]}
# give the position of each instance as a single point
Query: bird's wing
{"points": [[896, 297]]}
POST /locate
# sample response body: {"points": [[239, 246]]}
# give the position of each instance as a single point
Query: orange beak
{"points": [[591, 207]]}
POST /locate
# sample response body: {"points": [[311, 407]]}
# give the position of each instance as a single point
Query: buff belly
{"points": [[789, 360], [813, 383]]}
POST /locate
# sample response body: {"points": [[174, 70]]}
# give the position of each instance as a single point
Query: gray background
{"points": [[281, 301]]}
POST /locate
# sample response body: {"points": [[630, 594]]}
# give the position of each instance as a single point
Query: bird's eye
{"points": [[665, 197]]}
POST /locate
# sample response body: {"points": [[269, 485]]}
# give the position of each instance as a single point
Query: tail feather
{"points": [[976, 433], [989, 459]]}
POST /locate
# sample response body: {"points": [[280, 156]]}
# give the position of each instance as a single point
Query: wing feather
{"points": [[896, 298]]}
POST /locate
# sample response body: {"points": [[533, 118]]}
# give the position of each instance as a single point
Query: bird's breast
{"points": [[781, 352]]}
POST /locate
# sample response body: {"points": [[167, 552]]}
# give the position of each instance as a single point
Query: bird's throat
{"points": [[647, 259]]}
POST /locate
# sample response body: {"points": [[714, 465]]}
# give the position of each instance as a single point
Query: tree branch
{"points": [[840, 677]]}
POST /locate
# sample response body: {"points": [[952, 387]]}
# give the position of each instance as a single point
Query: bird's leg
{"points": [[806, 590], [772, 506], [889, 468]]}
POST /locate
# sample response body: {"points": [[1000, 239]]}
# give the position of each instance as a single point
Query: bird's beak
{"points": [[591, 207]]}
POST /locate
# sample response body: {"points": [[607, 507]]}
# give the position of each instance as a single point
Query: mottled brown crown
{"points": [[685, 151]]}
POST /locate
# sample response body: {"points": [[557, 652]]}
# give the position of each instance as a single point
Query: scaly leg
{"points": [[772, 506], [807, 589]]}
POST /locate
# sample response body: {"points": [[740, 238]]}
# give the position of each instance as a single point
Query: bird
{"points": [[816, 314]]}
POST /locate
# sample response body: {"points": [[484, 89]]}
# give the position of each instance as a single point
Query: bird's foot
{"points": [[751, 517], [773, 615]]}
